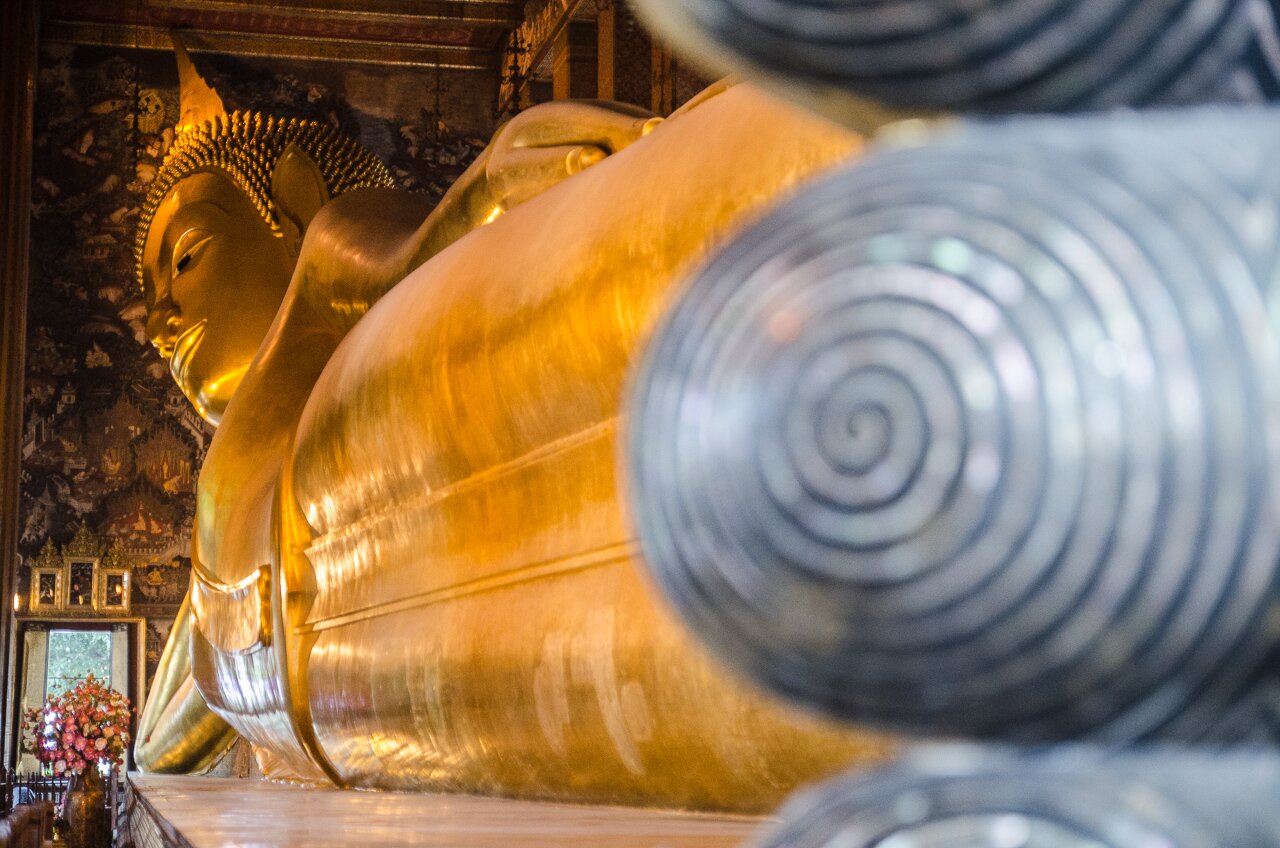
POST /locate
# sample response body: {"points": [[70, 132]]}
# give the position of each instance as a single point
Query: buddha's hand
{"points": [[544, 144]]}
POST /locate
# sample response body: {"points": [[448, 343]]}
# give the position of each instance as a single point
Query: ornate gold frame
{"points": [[59, 596], [94, 565], [102, 603]]}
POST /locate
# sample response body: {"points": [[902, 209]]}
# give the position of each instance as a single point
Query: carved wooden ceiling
{"points": [[464, 34]]}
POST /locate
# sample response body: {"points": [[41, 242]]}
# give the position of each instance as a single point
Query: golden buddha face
{"points": [[214, 274]]}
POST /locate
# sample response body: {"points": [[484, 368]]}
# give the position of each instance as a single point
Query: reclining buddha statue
{"points": [[412, 562]]}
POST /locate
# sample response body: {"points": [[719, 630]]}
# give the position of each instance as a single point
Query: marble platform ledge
{"points": [[168, 811]]}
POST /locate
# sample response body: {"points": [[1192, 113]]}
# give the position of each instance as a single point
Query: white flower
{"points": [[60, 766]]}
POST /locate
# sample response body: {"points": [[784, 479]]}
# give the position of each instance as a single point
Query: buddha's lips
{"points": [[184, 348]]}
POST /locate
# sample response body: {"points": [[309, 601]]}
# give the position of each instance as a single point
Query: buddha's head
{"points": [[220, 231]]}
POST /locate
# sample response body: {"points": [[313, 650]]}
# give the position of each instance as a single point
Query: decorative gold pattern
{"points": [[56, 574], [116, 558], [49, 557], [83, 545]]}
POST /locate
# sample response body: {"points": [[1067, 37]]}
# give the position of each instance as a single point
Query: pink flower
{"points": [[59, 767], [89, 722]]}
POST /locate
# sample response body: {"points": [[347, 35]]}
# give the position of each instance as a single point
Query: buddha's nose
{"points": [[163, 326]]}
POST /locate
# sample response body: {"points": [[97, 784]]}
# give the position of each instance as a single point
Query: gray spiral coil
{"points": [[1066, 799], [1001, 55], [983, 437]]}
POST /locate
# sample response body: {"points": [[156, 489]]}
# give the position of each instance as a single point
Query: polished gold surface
{"points": [[198, 100], [479, 617], [413, 562], [177, 732]]}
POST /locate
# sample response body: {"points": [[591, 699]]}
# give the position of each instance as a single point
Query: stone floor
{"points": [[195, 812]]}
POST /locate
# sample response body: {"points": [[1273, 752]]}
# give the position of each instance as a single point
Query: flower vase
{"points": [[85, 810]]}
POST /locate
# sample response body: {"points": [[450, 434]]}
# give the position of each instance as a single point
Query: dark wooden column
{"points": [[18, 25], [540, 27], [573, 61], [625, 53], [634, 68], [675, 81]]}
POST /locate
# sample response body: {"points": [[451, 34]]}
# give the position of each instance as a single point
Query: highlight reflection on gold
{"points": [[414, 490]]}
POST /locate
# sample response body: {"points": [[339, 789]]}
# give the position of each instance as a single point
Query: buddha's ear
{"points": [[299, 190]]}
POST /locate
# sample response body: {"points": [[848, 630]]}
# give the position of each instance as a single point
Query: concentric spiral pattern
{"points": [[982, 437], [1000, 55], [1067, 799]]}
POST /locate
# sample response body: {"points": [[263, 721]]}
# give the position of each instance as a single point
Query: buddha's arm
{"points": [[176, 731], [347, 262]]}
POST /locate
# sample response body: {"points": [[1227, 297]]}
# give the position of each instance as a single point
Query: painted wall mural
{"points": [[109, 443]]}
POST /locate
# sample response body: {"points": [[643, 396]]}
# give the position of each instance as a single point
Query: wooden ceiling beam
{"points": [[274, 46], [407, 12]]}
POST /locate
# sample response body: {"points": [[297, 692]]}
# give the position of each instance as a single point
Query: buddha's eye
{"points": [[187, 249]]}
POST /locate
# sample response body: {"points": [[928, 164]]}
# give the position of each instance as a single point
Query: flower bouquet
{"points": [[87, 724]]}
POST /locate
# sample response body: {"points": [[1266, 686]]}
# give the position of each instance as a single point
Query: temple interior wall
{"points": [[107, 443]]}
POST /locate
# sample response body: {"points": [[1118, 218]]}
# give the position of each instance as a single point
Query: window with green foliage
{"points": [[73, 654]]}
